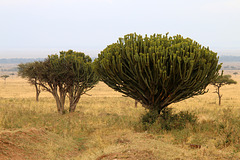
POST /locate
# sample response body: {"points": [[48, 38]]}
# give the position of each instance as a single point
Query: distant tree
{"points": [[30, 71], [12, 74], [158, 70], [69, 73], [235, 73], [5, 77], [220, 81]]}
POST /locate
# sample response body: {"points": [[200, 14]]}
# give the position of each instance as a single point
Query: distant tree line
{"points": [[26, 60], [229, 59], [18, 60], [14, 69], [228, 67]]}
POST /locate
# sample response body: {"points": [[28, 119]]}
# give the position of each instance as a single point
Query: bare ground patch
{"points": [[34, 144]]}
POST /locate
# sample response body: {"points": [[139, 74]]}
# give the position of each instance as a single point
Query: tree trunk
{"points": [[219, 96], [73, 103], [219, 100], [37, 96], [72, 107], [74, 94], [136, 102], [59, 106], [60, 101], [159, 109], [37, 92]]}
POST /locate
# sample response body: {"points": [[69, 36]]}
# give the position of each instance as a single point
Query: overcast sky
{"points": [[36, 28]]}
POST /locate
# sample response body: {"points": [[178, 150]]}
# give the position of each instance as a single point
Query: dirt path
{"points": [[35, 144]]}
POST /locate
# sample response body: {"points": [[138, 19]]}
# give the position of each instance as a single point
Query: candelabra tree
{"points": [[157, 70]]}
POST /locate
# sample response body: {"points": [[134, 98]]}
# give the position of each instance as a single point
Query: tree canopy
{"points": [[157, 70], [5, 76], [69, 73], [30, 71]]}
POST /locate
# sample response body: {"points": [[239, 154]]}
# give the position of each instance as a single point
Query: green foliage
{"points": [[223, 80], [157, 70], [30, 71], [5, 76], [168, 120], [27, 70], [235, 73], [80, 75]]}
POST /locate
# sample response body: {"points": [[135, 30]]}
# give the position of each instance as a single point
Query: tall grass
{"points": [[100, 121], [223, 130]]}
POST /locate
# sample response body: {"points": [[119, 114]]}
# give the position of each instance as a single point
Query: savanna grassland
{"points": [[107, 125]]}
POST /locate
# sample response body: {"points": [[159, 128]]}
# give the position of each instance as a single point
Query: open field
{"points": [[107, 126]]}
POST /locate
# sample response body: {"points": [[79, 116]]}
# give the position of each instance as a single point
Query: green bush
{"points": [[167, 120]]}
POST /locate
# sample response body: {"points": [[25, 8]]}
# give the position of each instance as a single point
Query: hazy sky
{"points": [[36, 28]]}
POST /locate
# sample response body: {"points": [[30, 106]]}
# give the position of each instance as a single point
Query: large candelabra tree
{"points": [[157, 70]]}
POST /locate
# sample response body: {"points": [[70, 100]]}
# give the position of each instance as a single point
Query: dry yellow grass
{"points": [[105, 123]]}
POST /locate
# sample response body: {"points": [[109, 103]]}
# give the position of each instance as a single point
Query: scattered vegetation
{"points": [[156, 71], [108, 125]]}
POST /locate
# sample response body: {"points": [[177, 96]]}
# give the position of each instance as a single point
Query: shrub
{"points": [[168, 120]]}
